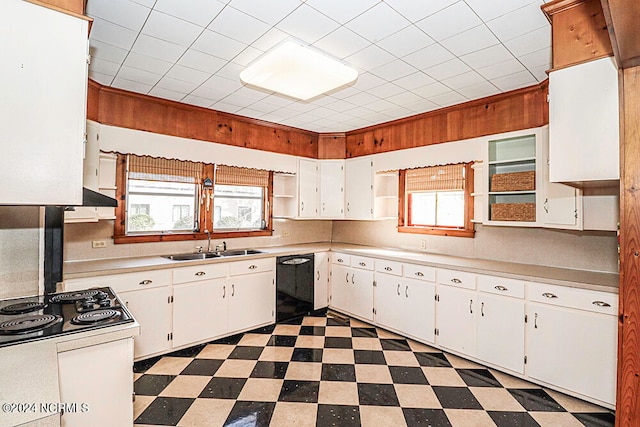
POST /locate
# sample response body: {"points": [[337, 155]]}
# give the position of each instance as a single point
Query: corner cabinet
{"points": [[47, 54]]}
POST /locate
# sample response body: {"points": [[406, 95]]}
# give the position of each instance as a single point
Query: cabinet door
{"points": [[419, 306], [321, 280], [361, 292], [307, 188], [332, 188], [501, 332], [359, 188], [199, 311], [390, 302], [573, 349], [252, 300], [151, 308], [561, 207], [340, 287], [109, 395], [456, 319]]}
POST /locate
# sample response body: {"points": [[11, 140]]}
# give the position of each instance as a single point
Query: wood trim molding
{"points": [[332, 145], [622, 19], [557, 6], [70, 7]]}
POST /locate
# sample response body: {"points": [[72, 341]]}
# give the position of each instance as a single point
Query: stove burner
{"points": [[31, 323], [22, 307], [95, 316], [70, 297]]}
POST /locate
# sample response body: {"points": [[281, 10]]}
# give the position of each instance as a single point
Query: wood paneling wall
{"points": [[134, 111], [520, 109], [332, 145], [74, 6], [622, 17], [579, 31]]}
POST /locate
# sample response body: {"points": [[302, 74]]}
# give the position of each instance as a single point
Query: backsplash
{"points": [[587, 250], [20, 237]]}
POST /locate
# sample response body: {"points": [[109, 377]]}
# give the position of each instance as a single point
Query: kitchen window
{"points": [[437, 200]]}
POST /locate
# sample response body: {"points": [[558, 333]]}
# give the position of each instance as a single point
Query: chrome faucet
{"points": [[208, 240], [224, 247]]}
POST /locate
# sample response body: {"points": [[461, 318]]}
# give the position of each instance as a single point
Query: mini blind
{"points": [[232, 175], [161, 169], [436, 178]]}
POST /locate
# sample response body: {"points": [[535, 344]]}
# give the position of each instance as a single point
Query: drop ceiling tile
{"points": [[270, 12], [359, 111], [447, 69], [378, 22], [251, 95], [421, 106], [197, 101], [341, 43], [340, 93], [530, 42], [107, 52], [307, 24], [479, 90], [147, 3], [263, 107], [540, 73], [176, 85], [500, 69], [538, 58], [448, 98], [187, 74], [430, 90], [367, 81], [147, 63], [238, 25], [123, 12], [218, 45], [302, 107], [471, 40], [270, 39], [488, 10], [247, 56], [340, 10], [448, 22], [514, 81], [386, 90], [250, 112], [404, 98], [369, 58], [112, 34], [167, 94], [414, 81], [137, 75], [487, 57], [225, 107], [463, 80], [278, 101], [362, 98], [519, 22], [132, 86], [200, 12], [416, 10], [398, 112], [103, 79], [171, 29], [405, 41], [201, 61], [213, 94], [394, 70], [231, 71], [222, 84], [156, 48], [340, 106], [381, 105], [429, 56], [105, 67]]}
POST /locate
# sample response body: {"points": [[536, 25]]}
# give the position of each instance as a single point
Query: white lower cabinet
{"points": [[352, 291], [321, 280], [455, 319], [152, 310], [252, 301]]}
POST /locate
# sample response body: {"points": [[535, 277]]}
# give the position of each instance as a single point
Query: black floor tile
{"points": [[337, 372], [433, 360], [312, 330], [188, 352], [250, 414], [478, 378], [426, 417], [513, 419], [307, 355], [397, 344], [364, 332], [206, 367], [369, 357], [165, 411], [536, 399], [274, 370], [246, 353], [338, 415], [407, 375], [456, 398], [336, 321], [142, 366], [299, 391], [264, 330], [596, 419], [282, 341], [337, 342], [377, 394], [294, 321], [223, 388], [232, 340], [152, 385]]}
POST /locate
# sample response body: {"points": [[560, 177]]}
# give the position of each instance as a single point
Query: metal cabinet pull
{"points": [[224, 291], [549, 295], [419, 273], [535, 321], [456, 280], [352, 281], [233, 290], [346, 277], [200, 273], [501, 288], [362, 264], [406, 291], [471, 306], [482, 309], [340, 260], [601, 304], [348, 210], [146, 282], [398, 289], [302, 206], [388, 268], [253, 267], [318, 275]]}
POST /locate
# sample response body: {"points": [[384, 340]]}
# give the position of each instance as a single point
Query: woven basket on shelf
{"points": [[515, 181], [513, 212]]}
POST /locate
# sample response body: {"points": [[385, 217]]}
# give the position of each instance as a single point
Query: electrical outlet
{"points": [[423, 244], [286, 233], [99, 244]]}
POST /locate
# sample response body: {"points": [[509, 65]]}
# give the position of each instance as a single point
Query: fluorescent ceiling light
{"points": [[297, 71]]}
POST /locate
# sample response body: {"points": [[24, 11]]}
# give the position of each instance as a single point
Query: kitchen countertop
{"points": [[594, 280]]}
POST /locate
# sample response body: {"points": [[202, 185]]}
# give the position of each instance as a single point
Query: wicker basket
{"points": [[513, 212], [516, 181]]}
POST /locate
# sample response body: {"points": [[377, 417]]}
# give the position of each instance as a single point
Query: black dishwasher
{"points": [[294, 286]]}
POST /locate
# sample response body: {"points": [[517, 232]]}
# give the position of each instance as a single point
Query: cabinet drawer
{"points": [[362, 262], [251, 266], [501, 286], [341, 259], [200, 272], [420, 272], [389, 267], [456, 278], [122, 282], [582, 299]]}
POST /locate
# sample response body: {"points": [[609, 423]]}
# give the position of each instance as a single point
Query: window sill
{"points": [[190, 236], [453, 232]]}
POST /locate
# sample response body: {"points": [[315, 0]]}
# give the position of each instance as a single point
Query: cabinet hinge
{"points": [[576, 213], [374, 311], [169, 336], [437, 297], [375, 283], [526, 318], [525, 360], [88, 59], [437, 332], [133, 397]]}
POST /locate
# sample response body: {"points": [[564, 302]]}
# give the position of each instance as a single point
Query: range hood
{"points": [[95, 199]]}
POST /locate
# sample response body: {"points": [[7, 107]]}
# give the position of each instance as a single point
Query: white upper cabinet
{"points": [[332, 188], [307, 188], [584, 123], [44, 72], [359, 188]]}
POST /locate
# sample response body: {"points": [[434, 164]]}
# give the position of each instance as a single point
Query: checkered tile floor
{"points": [[332, 371]]}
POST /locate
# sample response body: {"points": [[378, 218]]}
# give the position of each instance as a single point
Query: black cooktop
{"points": [[44, 316]]}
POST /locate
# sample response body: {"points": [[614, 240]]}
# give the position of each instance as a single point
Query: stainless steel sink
{"points": [[192, 256], [240, 252]]}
